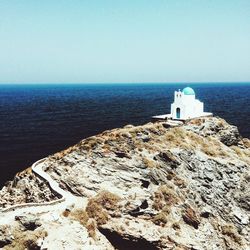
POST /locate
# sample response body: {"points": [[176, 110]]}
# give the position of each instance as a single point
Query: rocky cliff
{"points": [[147, 187]]}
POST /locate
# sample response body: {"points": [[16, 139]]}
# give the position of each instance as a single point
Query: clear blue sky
{"points": [[124, 41]]}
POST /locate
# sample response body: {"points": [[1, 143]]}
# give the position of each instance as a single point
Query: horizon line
{"points": [[175, 82]]}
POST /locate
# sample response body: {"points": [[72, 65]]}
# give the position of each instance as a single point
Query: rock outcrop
{"points": [[25, 188], [144, 187]]}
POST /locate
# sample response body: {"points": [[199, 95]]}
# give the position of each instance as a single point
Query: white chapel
{"points": [[185, 106]]}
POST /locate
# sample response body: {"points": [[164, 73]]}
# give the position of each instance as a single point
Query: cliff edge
{"points": [[139, 187]]}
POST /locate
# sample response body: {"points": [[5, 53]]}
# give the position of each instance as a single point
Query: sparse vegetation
{"points": [[26, 240], [246, 142], [96, 211], [80, 215], [197, 122], [97, 207], [231, 232], [149, 163], [179, 182], [221, 123], [163, 199], [164, 196], [107, 200], [160, 219], [170, 175], [66, 213], [91, 227]]}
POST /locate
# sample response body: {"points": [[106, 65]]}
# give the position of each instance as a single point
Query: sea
{"points": [[37, 120]]}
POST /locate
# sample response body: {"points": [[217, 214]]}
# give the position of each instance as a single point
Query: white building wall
{"points": [[189, 106]]}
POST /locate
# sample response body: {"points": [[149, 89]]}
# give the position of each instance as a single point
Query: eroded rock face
{"points": [[5, 236], [25, 188], [158, 187], [30, 222]]}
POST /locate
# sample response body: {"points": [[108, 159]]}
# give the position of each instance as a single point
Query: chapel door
{"points": [[178, 113]]}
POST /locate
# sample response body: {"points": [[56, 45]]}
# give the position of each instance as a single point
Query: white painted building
{"points": [[186, 106]]}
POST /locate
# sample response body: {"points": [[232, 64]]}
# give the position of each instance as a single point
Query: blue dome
{"points": [[188, 91]]}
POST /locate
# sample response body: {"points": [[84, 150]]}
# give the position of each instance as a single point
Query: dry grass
{"points": [[164, 196], [208, 145], [150, 163], [91, 227], [107, 200], [163, 199], [179, 182], [246, 142], [65, 152], [27, 171], [221, 123], [197, 121], [208, 149], [179, 137], [80, 215], [243, 153], [175, 136], [89, 144], [231, 232], [96, 211], [238, 151], [160, 219], [84, 219], [26, 240], [97, 207]]}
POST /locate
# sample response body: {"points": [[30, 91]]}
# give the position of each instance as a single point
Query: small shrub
{"points": [[80, 215], [164, 196], [238, 151], [66, 213], [179, 182], [97, 207], [169, 195], [231, 232], [149, 163], [160, 219], [96, 211], [26, 240], [246, 142], [158, 201], [197, 122], [170, 175], [221, 123], [91, 227], [107, 200]]}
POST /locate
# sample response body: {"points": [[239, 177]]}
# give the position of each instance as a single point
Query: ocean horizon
{"points": [[40, 119]]}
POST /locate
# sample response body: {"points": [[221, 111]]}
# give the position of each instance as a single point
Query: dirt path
{"points": [[66, 199]]}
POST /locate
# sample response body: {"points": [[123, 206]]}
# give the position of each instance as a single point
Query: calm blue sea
{"points": [[38, 120]]}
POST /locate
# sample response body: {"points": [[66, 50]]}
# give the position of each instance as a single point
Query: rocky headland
{"points": [[154, 186]]}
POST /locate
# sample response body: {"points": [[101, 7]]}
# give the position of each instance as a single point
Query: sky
{"points": [[98, 41]]}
